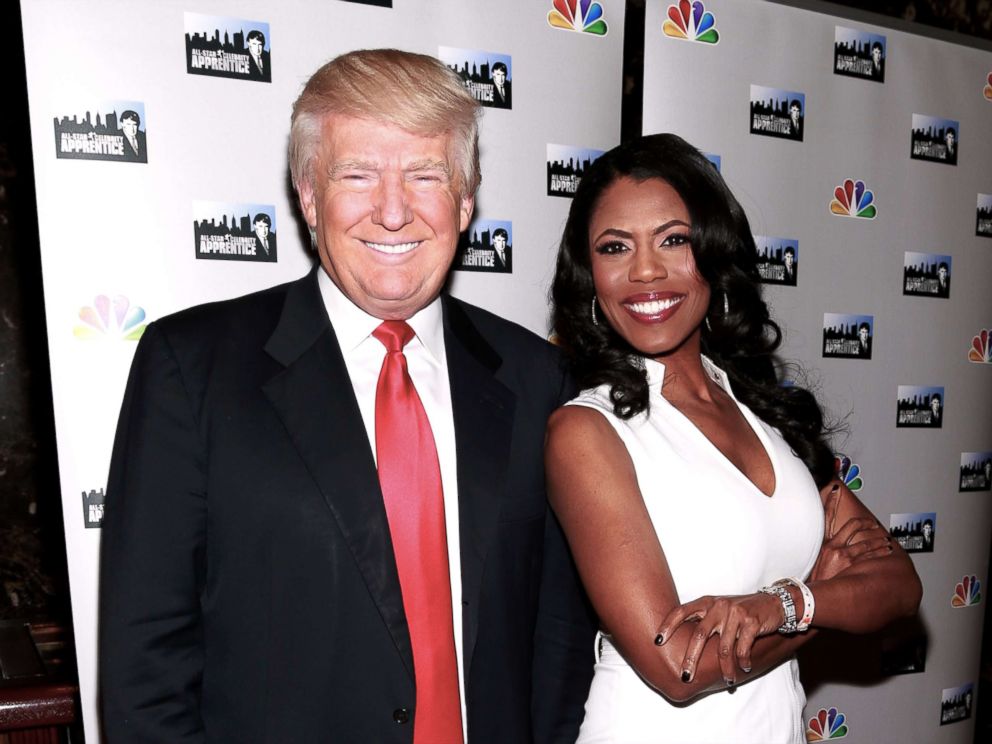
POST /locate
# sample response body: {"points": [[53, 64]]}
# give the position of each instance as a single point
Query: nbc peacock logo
{"points": [[827, 725], [692, 22], [853, 199], [848, 471], [111, 319], [981, 348], [968, 592], [585, 16]]}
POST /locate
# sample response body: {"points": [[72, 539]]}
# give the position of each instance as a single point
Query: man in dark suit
{"points": [[264, 540], [265, 241], [502, 91], [258, 58], [134, 138]]}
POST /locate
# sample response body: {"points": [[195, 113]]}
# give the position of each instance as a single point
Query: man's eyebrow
{"points": [[427, 164], [346, 165]]}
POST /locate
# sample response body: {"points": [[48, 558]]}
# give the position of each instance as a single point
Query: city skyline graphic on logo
{"points": [[848, 336], [981, 348], [778, 260], [926, 274], [920, 406], [584, 16], [848, 472], [483, 74], [113, 319], [859, 54], [776, 112], [220, 46], [692, 22], [853, 199], [110, 130], [935, 139], [566, 166], [226, 231], [93, 509], [955, 703], [967, 592], [983, 216], [976, 471], [828, 724]]}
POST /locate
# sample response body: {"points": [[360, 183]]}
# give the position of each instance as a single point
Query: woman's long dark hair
{"points": [[741, 341]]}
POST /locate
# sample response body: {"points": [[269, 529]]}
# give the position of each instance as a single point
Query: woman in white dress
{"points": [[696, 491]]}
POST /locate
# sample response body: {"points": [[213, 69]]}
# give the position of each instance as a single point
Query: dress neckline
{"points": [[656, 377]]}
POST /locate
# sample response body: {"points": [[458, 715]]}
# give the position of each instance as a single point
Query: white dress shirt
{"points": [[428, 365]]}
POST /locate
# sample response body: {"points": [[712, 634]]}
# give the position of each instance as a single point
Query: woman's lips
{"points": [[653, 307]]}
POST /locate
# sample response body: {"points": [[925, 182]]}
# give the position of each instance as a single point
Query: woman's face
{"points": [[643, 268]]}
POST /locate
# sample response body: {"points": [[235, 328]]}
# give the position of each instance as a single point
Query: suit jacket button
{"points": [[401, 715]]}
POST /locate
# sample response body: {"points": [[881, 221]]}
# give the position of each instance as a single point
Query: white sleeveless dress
{"points": [[720, 535]]}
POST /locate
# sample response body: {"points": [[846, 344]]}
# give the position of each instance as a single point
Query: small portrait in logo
{"points": [[228, 47], [955, 703], [926, 275], [976, 471], [112, 130], [778, 260], [566, 165], [903, 653], [848, 336], [920, 406], [914, 532], [935, 139], [93, 509], [859, 54], [234, 232], [486, 246], [983, 216], [778, 113], [488, 76]]}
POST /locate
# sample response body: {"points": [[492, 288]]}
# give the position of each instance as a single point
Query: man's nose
{"points": [[390, 204]]}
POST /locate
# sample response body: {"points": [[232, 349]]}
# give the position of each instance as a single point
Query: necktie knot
{"points": [[393, 334]]}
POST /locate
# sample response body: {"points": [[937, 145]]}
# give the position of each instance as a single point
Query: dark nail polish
{"points": [[659, 639], [685, 676]]}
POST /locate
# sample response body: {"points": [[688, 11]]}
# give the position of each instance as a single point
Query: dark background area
{"points": [[33, 580]]}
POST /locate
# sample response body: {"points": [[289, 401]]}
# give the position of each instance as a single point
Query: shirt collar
{"points": [[353, 326]]}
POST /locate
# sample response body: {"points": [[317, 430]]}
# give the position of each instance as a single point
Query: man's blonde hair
{"points": [[414, 92]]}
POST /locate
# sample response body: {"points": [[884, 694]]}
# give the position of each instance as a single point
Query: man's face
{"points": [[942, 274], [949, 139], [130, 127], [499, 242], [794, 112], [385, 212], [788, 259], [876, 56], [255, 46], [499, 77], [863, 335], [935, 405], [262, 229], [927, 531]]}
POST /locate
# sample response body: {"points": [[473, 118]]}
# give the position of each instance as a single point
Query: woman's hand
{"points": [[860, 538], [738, 620]]}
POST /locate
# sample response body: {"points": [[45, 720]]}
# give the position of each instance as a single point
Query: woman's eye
{"points": [[610, 249], [676, 239]]}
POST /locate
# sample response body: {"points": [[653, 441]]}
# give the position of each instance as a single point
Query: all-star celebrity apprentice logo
{"points": [[234, 232], [488, 76], [778, 260], [228, 47], [778, 113], [935, 139], [110, 130], [487, 246], [565, 167], [859, 54]]}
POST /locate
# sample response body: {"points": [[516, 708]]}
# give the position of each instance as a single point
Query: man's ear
{"points": [[308, 201], [465, 210]]}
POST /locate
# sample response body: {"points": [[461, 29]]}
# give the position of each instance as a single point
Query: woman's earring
{"points": [[726, 305], [593, 310], [707, 322]]}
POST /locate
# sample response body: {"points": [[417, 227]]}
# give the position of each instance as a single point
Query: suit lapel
{"points": [[482, 408], [314, 399]]}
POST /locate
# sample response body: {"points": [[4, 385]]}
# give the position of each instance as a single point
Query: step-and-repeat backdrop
{"points": [[160, 131], [863, 157]]}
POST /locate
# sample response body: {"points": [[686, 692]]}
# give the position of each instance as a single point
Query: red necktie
{"points": [[410, 478]]}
